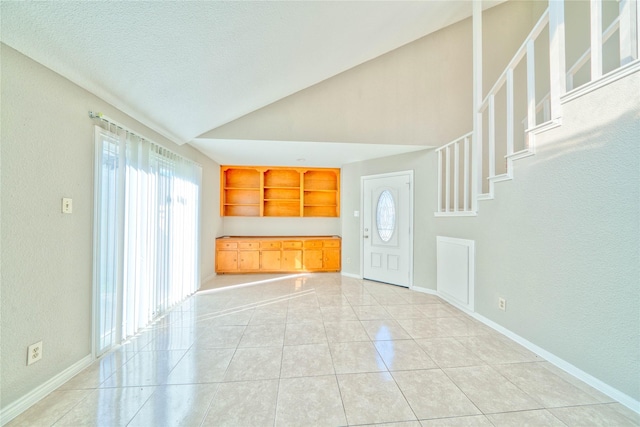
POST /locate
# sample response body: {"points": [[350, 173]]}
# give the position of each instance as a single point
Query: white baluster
{"points": [[456, 173], [596, 39], [558, 82]]}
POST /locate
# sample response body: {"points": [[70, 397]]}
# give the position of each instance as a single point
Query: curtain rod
{"points": [[110, 121], [114, 123]]}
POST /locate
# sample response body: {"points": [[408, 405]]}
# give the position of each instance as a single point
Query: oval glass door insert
{"points": [[386, 216]]}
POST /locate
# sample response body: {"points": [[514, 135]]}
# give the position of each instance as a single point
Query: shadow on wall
{"points": [[592, 136]]}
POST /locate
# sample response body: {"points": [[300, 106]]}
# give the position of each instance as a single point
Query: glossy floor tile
{"points": [[321, 350]]}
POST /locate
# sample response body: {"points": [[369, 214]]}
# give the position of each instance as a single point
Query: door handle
{"points": [[366, 237]]}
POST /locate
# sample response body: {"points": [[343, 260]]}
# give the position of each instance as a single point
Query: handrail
{"points": [[520, 53], [461, 138]]}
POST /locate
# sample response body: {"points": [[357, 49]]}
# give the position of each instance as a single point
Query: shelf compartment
{"points": [[282, 193], [320, 180], [242, 210], [242, 178], [281, 208], [321, 211], [320, 198], [242, 197], [288, 178]]}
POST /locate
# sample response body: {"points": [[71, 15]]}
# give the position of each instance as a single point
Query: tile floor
{"points": [[321, 350]]}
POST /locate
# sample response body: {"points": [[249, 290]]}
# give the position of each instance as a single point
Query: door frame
{"points": [[408, 173]]}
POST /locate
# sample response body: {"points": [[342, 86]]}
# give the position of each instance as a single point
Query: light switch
{"points": [[356, 213], [67, 205]]}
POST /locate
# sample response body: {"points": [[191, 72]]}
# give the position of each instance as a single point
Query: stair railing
{"points": [[625, 24], [486, 142], [475, 154], [454, 177]]}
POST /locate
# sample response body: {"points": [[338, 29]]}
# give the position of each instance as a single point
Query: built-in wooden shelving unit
{"points": [[279, 191]]}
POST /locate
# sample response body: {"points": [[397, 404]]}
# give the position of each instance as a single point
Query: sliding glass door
{"points": [[108, 189], [146, 233]]}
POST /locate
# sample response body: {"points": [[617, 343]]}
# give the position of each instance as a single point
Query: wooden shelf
{"points": [[279, 191]]}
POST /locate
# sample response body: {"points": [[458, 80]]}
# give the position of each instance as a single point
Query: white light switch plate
{"points": [[67, 205]]}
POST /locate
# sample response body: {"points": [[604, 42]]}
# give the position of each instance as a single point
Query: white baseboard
{"points": [[354, 276], [594, 382], [425, 290], [34, 396]]}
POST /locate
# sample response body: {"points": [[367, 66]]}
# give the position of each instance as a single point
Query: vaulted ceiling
{"points": [[184, 68]]}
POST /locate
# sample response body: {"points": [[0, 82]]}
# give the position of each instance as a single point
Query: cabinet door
{"points": [[226, 261], [249, 260], [312, 259], [331, 259], [270, 260], [292, 260]]}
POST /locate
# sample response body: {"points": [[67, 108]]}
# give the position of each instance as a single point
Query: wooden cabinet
{"points": [[226, 261], [270, 254], [291, 255], [226, 256], [331, 259], [248, 256], [279, 191], [322, 255], [277, 254], [312, 259]]}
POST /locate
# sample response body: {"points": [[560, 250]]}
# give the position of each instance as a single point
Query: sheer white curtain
{"points": [[147, 228]]}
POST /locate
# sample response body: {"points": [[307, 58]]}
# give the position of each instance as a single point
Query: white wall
{"points": [[417, 94], [46, 264], [561, 242], [265, 226]]}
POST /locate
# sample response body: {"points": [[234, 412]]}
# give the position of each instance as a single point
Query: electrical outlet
{"points": [[34, 353], [502, 304], [67, 205]]}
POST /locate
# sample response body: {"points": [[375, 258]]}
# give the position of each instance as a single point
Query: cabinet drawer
{"points": [[292, 245], [248, 245], [270, 245], [313, 244], [331, 243], [226, 245]]}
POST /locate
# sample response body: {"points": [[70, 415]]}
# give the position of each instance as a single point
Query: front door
{"points": [[387, 227]]}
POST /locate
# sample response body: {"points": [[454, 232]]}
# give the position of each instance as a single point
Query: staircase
{"points": [[527, 98]]}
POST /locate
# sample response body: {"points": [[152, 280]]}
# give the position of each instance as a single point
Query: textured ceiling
{"points": [[184, 68]]}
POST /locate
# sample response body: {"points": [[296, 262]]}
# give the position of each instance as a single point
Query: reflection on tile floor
{"points": [[321, 350]]}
